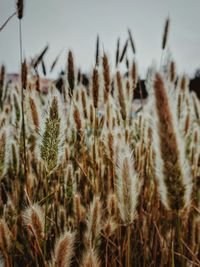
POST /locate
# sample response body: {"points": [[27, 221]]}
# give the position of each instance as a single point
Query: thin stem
{"points": [[129, 246], [173, 264], [45, 214], [178, 246], [141, 95], [161, 59], [8, 19], [106, 253], [22, 106]]}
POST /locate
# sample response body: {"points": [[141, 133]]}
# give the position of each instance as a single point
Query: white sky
{"points": [[75, 24]]}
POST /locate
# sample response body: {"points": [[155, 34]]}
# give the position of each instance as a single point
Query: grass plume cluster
{"points": [[105, 183]]}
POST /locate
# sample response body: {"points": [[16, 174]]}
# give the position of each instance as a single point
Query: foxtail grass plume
{"points": [[78, 208], [97, 51], [134, 76], [34, 113], [171, 165], [112, 205], [183, 83], [5, 236], [77, 119], [84, 104], [196, 105], [94, 221], [14, 157], [109, 227], [24, 73], [95, 87], [20, 8], [90, 259], [121, 97], [64, 250], [5, 243], [33, 218], [70, 73], [128, 186], [172, 71], [106, 76], [3, 152], [165, 33], [52, 134]]}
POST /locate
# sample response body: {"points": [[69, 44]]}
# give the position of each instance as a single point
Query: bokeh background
{"points": [[74, 24]]}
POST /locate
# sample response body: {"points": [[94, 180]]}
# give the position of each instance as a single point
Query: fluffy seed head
{"points": [[5, 236], [64, 250], [52, 132], [90, 259], [172, 177], [94, 220], [109, 227], [128, 186], [34, 216]]}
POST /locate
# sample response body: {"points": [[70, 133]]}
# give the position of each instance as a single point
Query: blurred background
{"points": [[65, 25]]}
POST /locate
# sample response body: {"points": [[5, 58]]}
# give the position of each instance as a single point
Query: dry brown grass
{"points": [[102, 185]]}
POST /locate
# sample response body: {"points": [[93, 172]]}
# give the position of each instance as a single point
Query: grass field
{"points": [[87, 179]]}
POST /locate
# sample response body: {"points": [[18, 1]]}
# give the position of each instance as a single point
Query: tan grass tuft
{"points": [[64, 250], [90, 259], [34, 216], [170, 153]]}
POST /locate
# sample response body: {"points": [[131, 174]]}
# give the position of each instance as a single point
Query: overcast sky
{"points": [[74, 24]]}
